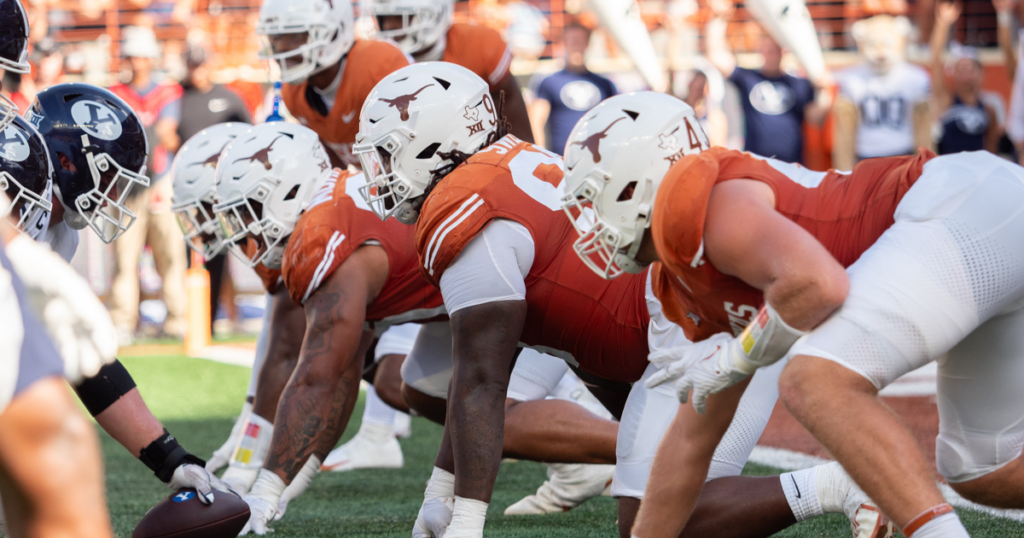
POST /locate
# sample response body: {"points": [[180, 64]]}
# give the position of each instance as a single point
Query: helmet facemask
{"points": [[423, 22], [8, 111], [319, 43], [385, 192], [104, 208], [608, 249], [203, 232], [32, 209], [242, 219]]}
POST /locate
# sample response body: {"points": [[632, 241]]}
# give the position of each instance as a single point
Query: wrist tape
{"points": [[164, 455], [766, 340]]}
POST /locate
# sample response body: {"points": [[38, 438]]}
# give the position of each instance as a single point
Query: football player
{"points": [[345, 267], [490, 235], [857, 278], [52, 470], [426, 30], [194, 196], [326, 71], [98, 149]]}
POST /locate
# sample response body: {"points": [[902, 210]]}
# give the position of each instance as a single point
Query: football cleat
{"points": [[836, 488], [403, 425], [568, 486], [373, 447]]}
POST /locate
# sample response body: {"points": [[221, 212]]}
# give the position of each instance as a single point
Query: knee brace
{"points": [[106, 387]]}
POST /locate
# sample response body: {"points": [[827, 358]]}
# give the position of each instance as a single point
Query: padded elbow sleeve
{"points": [[106, 387]]}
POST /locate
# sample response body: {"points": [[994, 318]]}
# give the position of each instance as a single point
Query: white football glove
{"points": [[299, 485], [74, 317], [438, 506], [704, 368], [468, 519], [434, 517], [190, 475], [263, 501]]}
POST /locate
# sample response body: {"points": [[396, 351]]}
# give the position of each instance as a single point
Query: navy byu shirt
{"points": [[571, 95], [774, 112]]}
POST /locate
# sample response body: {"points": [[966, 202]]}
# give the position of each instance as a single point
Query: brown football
{"points": [[182, 516]]}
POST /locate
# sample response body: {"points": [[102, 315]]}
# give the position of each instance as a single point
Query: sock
{"points": [[468, 519], [376, 411], [944, 526], [801, 492]]}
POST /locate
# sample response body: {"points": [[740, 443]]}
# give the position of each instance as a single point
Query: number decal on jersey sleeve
{"points": [[539, 173], [740, 317]]}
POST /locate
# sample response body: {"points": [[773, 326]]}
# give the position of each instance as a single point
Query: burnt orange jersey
{"points": [[570, 310], [271, 278], [479, 49], [845, 212], [336, 223], [366, 64]]}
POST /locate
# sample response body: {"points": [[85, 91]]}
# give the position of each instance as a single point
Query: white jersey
{"points": [[885, 103], [63, 239]]}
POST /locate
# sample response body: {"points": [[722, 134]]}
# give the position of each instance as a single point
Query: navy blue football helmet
{"points": [[98, 148], [13, 51], [26, 175]]}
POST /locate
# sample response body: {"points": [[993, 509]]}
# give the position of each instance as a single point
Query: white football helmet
{"points": [[265, 179], [410, 118], [423, 21], [615, 158], [322, 31], [195, 191]]}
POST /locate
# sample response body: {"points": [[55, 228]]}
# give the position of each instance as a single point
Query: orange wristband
{"points": [[924, 517]]}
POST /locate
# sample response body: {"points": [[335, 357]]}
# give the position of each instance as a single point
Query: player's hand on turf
{"points": [[190, 475], [299, 485], [74, 317], [434, 517], [703, 368], [261, 513]]}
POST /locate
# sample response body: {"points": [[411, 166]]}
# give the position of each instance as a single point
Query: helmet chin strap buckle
{"points": [[406, 214]]}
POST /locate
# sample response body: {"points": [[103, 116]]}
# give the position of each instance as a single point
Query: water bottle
{"points": [[275, 111]]}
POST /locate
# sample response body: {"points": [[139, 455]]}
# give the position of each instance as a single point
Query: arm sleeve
{"points": [[492, 267]]}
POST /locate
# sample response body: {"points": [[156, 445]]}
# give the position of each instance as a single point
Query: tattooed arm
{"points": [[318, 400]]}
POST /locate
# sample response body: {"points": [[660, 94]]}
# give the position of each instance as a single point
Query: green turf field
{"points": [[198, 399]]}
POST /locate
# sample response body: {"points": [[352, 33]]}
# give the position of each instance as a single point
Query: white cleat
{"points": [[836, 488], [402, 425], [373, 447], [568, 486]]}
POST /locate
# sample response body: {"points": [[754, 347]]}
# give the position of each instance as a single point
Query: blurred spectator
{"points": [[159, 107], [563, 98], [775, 104], [48, 61], [204, 104], [882, 108], [526, 30], [711, 117], [965, 123], [11, 87]]}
